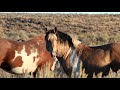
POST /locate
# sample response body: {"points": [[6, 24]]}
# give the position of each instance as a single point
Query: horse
{"points": [[71, 52], [21, 56]]}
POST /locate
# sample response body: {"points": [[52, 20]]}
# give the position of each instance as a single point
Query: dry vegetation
{"points": [[90, 29]]}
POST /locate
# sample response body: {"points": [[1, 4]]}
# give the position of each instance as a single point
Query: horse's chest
{"points": [[24, 62]]}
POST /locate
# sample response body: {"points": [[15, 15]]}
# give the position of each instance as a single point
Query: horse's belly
{"points": [[24, 62], [24, 69]]}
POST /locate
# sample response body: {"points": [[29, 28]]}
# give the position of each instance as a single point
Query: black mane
{"points": [[65, 38], [62, 37]]}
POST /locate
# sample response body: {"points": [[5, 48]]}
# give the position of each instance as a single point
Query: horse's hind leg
{"points": [[3, 58], [5, 66]]}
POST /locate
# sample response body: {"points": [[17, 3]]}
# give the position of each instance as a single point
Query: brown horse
{"points": [[24, 56], [71, 52]]}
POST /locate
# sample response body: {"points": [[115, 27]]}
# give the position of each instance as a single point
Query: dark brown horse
{"points": [[24, 56], [71, 52]]}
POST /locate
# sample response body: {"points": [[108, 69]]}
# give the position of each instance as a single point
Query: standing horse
{"points": [[70, 53], [24, 56]]}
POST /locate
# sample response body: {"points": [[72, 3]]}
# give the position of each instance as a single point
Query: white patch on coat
{"points": [[29, 64]]}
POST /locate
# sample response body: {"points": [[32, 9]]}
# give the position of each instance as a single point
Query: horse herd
{"points": [[27, 56]]}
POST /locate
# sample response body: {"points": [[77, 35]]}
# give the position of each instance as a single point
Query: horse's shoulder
{"points": [[115, 45]]}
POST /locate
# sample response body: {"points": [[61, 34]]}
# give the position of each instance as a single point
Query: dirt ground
{"points": [[90, 29]]}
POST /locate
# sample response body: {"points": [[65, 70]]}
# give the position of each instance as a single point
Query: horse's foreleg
{"points": [[54, 63]]}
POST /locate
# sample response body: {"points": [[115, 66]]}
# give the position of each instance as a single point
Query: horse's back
{"points": [[4, 43], [5, 46]]}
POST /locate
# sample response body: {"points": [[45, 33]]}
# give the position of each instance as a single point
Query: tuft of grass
{"points": [[45, 72], [82, 73]]}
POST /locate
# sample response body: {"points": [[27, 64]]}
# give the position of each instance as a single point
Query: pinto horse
{"points": [[24, 56], [71, 52]]}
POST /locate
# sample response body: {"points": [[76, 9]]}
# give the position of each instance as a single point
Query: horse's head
{"points": [[51, 44], [51, 40], [58, 43]]}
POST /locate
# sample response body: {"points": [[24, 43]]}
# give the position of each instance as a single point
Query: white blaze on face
{"points": [[29, 63]]}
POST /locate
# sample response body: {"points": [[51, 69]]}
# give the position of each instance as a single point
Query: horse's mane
{"points": [[62, 37]]}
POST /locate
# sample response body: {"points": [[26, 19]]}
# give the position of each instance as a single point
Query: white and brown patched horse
{"points": [[24, 56], [71, 52]]}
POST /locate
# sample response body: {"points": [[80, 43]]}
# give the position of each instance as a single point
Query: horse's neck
{"points": [[67, 53], [62, 48]]}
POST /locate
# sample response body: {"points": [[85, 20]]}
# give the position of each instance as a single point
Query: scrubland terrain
{"points": [[90, 29]]}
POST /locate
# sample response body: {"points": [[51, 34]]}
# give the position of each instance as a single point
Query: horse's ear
{"points": [[55, 30], [46, 30]]}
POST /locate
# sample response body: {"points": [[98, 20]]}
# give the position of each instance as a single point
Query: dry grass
{"points": [[45, 72], [50, 74]]}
